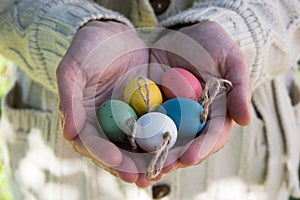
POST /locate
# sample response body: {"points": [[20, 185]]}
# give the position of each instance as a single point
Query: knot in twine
{"points": [[213, 88]]}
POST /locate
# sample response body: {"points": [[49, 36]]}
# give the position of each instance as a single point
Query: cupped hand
{"points": [[207, 51], [85, 78]]}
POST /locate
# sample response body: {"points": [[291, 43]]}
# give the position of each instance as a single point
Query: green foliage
{"points": [[4, 187], [3, 65]]}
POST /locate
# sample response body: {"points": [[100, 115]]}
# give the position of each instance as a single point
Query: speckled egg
{"points": [[186, 113], [112, 116], [133, 97], [151, 128], [180, 83]]}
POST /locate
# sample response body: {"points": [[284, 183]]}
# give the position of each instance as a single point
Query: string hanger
{"points": [[159, 158], [130, 130], [146, 97], [213, 88]]}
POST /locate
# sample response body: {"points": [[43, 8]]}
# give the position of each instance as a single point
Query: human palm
{"points": [[99, 54], [208, 52]]}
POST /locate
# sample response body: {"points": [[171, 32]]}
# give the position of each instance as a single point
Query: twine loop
{"points": [[213, 88], [158, 160], [130, 130], [146, 96]]}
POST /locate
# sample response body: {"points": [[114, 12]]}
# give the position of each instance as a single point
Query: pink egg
{"points": [[180, 83]]}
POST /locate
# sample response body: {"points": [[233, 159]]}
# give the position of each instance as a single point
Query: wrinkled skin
{"points": [[82, 88]]}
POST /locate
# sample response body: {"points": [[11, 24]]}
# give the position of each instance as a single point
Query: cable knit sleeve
{"points": [[35, 34], [266, 30]]}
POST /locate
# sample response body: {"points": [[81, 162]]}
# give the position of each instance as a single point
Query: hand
{"points": [[84, 84], [190, 48]]}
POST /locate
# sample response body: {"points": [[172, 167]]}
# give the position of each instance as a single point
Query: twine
{"points": [[130, 123], [157, 162], [213, 88], [130, 130], [146, 97]]}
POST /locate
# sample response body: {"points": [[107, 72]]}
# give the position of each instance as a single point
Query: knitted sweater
{"points": [[35, 34], [256, 26]]}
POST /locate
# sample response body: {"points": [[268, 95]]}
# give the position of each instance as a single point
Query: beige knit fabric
{"points": [[260, 28], [36, 38], [259, 162]]}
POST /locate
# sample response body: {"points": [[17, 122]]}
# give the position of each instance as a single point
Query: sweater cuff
{"points": [[53, 29], [238, 20]]}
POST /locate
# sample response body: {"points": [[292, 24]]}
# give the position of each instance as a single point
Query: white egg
{"points": [[151, 128]]}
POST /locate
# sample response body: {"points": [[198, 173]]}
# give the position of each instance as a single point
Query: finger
{"points": [[100, 148], [224, 135], [172, 161], [171, 167], [143, 181], [240, 95], [157, 178], [140, 164], [127, 170], [204, 145], [105, 167], [212, 137], [79, 147]]}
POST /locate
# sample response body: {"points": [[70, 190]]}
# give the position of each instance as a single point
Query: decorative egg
{"points": [[186, 113], [151, 128], [133, 96], [112, 116], [180, 83]]}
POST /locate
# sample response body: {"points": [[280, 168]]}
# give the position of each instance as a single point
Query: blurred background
{"points": [[5, 73]]}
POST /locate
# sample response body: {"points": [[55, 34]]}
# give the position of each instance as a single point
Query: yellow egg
{"points": [[133, 96]]}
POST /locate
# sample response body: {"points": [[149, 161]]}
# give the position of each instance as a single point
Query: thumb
{"points": [[73, 114], [239, 97]]}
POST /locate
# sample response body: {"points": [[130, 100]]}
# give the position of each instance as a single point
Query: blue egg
{"points": [[186, 113]]}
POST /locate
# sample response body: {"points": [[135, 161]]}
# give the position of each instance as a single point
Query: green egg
{"points": [[112, 116]]}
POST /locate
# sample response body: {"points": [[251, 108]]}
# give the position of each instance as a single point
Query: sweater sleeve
{"points": [[35, 34], [265, 30]]}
